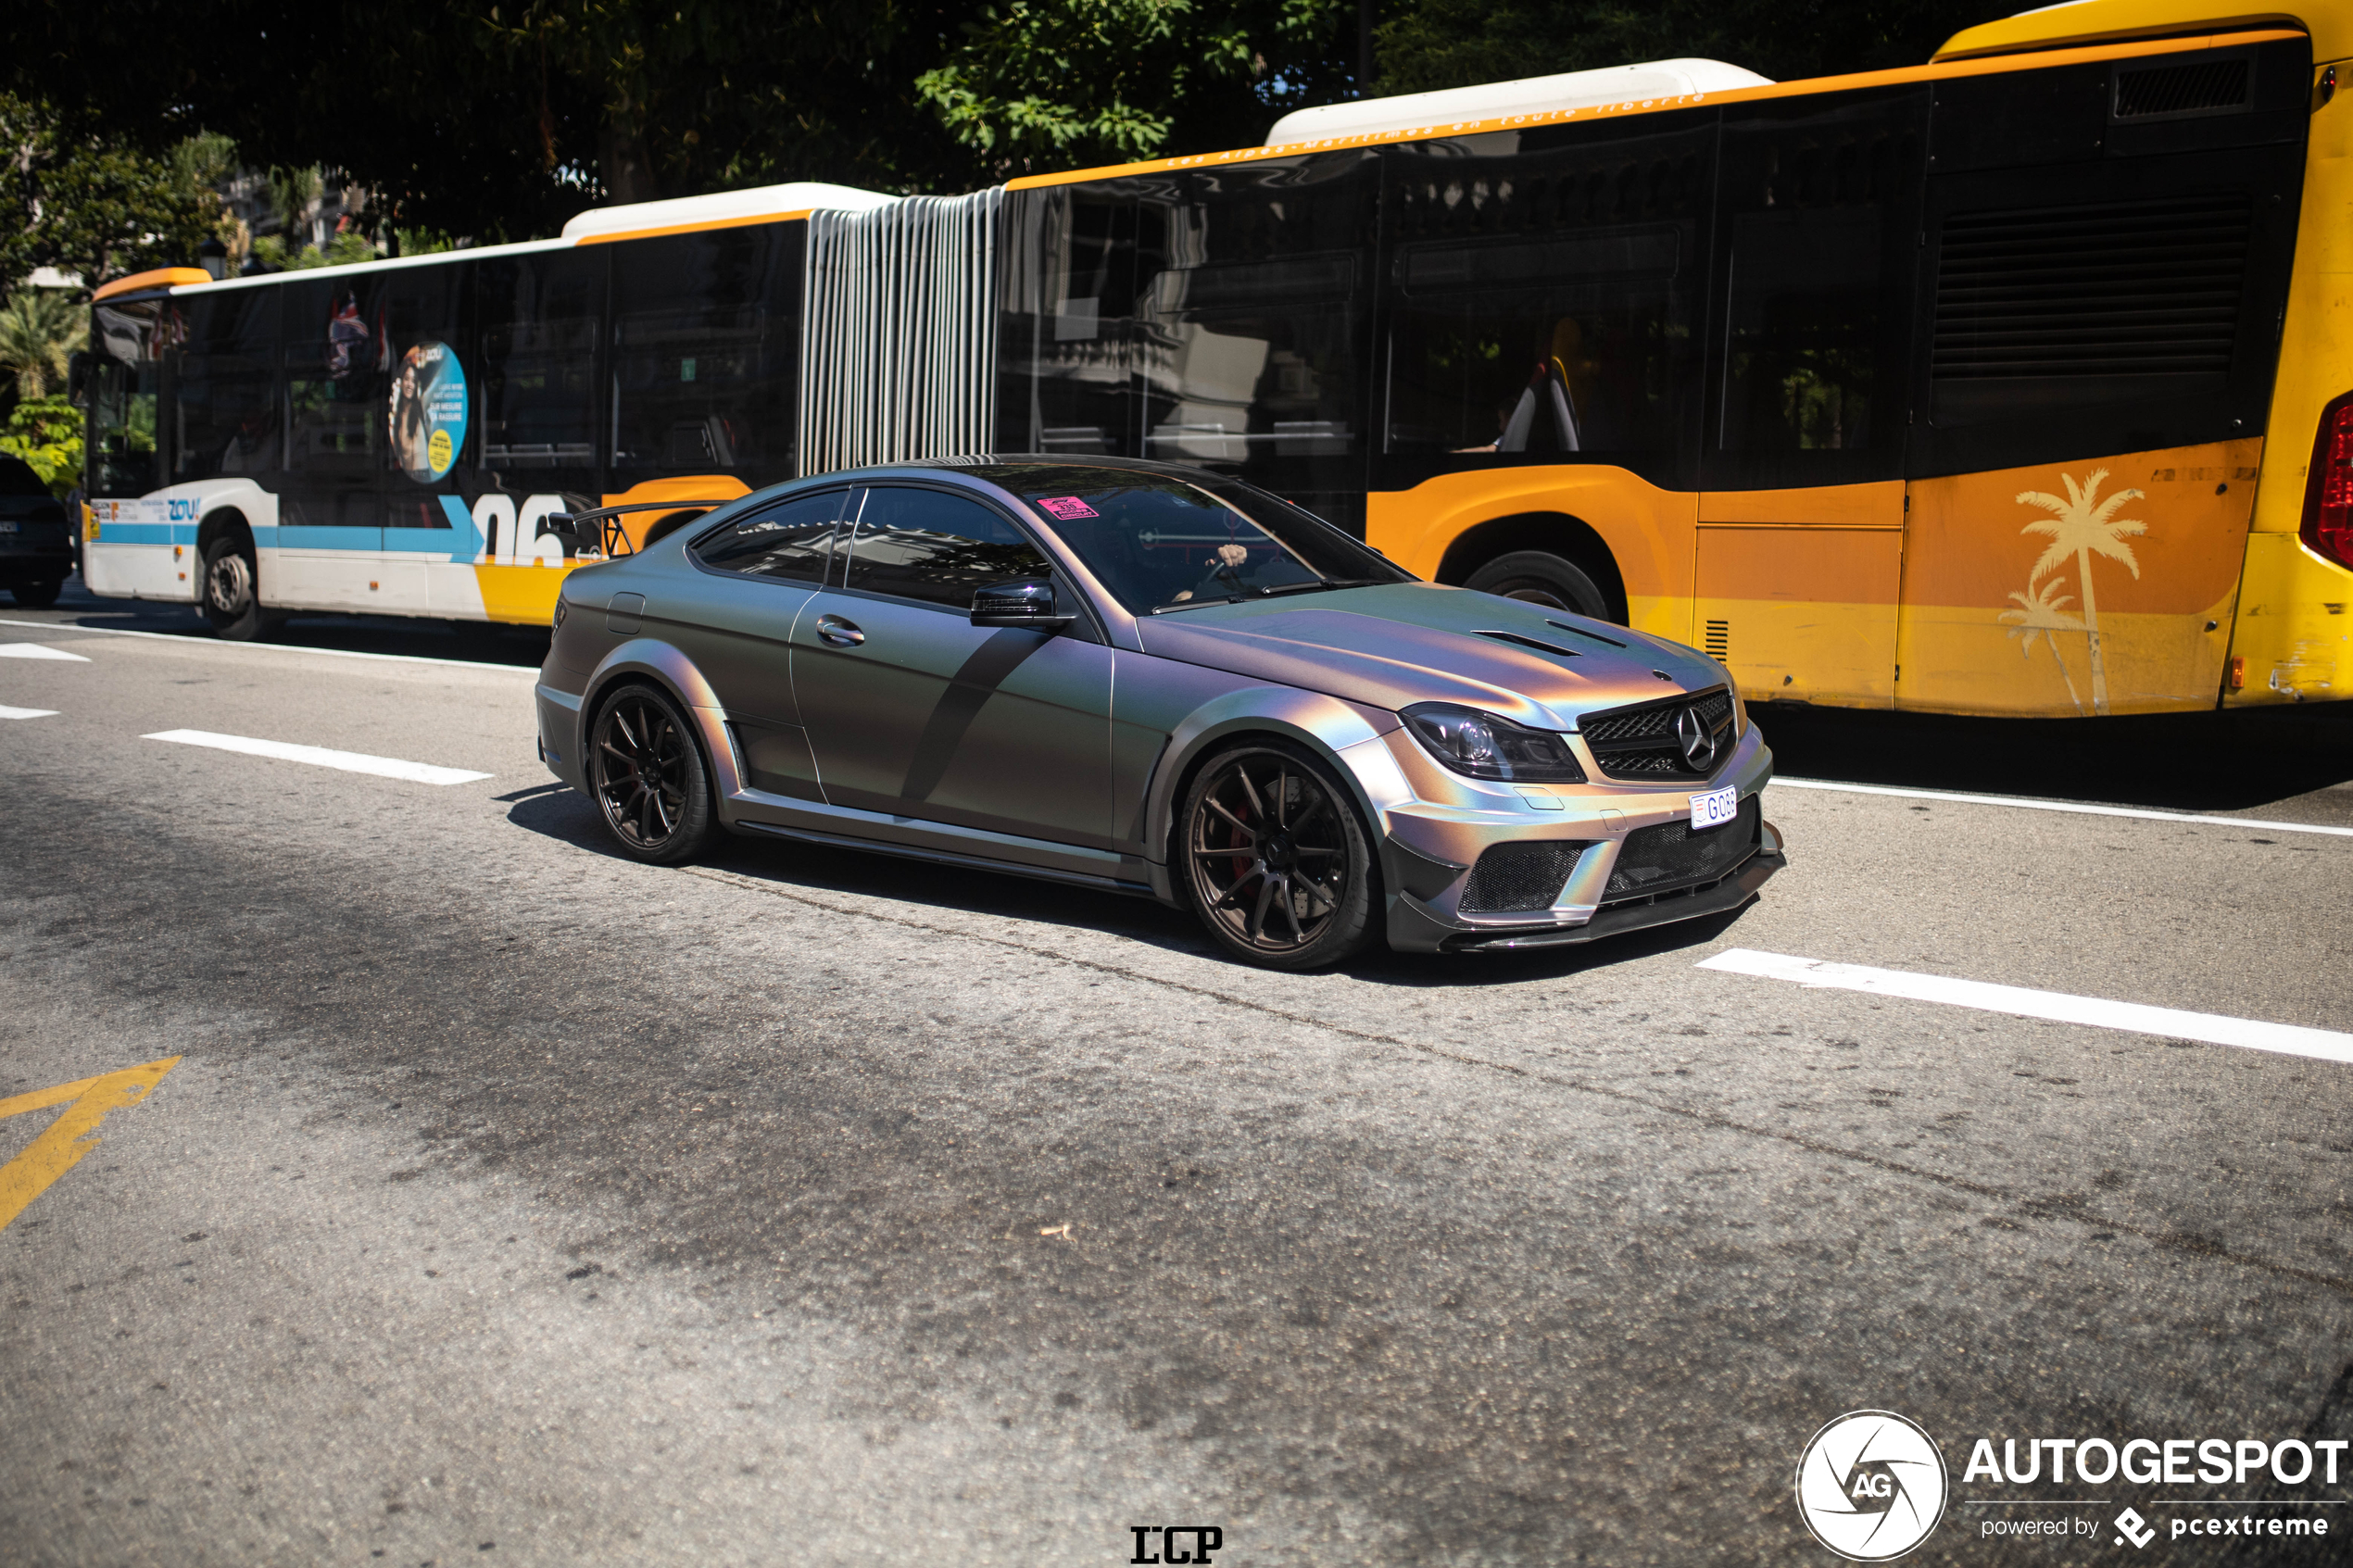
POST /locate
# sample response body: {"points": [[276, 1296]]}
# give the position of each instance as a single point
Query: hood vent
{"points": [[1517, 641]]}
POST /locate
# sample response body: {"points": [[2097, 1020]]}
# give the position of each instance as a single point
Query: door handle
{"points": [[841, 633]]}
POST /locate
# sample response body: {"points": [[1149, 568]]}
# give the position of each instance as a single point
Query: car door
{"points": [[735, 618], [913, 710]]}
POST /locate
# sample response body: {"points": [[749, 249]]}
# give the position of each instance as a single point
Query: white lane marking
{"points": [[319, 757], [34, 650], [27, 713], [186, 641], [2290, 1039], [2021, 803]]}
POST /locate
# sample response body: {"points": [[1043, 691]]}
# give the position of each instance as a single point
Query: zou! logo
{"points": [[1870, 1486]]}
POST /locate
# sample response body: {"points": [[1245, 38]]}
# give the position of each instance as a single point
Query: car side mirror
{"points": [[1027, 602]]}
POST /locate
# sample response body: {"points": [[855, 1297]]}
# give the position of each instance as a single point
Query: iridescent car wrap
{"points": [[1066, 753]]}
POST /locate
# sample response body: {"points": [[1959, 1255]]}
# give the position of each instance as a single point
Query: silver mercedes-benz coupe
{"points": [[1147, 678]]}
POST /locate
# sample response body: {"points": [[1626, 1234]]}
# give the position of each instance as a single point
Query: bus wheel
{"points": [[232, 601], [647, 775], [1541, 578]]}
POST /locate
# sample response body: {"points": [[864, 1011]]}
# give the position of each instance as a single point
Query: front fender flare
{"points": [[1342, 734]]}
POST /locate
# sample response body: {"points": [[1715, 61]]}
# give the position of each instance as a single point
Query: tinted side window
{"points": [[540, 319], [930, 546], [1821, 204], [706, 352], [337, 360], [794, 542], [224, 394], [1548, 292]]}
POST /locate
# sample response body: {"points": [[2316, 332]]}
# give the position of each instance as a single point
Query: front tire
{"points": [[1539, 577], [1275, 859], [37, 596], [232, 590], [647, 773]]}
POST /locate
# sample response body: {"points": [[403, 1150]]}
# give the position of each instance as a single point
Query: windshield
{"points": [[1160, 544]]}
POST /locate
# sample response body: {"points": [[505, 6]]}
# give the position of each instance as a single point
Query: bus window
{"points": [[540, 317], [1544, 303], [1069, 282], [1249, 349], [706, 351], [122, 399], [427, 412], [1821, 207], [224, 388], [335, 363]]}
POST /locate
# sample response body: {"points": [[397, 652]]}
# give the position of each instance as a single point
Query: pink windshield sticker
{"points": [[1066, 507]]}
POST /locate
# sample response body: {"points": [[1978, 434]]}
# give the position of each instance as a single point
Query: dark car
{"points": [[1143, 677], [36, 541]]}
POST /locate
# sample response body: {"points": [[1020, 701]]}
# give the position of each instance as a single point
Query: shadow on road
{"points": [[2188, 761], [817, 870]]}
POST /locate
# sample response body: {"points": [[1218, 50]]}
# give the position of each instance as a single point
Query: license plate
{"points": [[7, 528], [1715, 808]]}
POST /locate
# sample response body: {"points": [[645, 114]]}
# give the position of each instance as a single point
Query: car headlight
{"points": [[1483, 746]]}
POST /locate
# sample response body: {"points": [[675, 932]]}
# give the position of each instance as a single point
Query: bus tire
{"points": [[232, 589], [38, 595], [646, 773], [1539, 577]]}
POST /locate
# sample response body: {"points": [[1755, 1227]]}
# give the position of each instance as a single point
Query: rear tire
{"points": [[645, 770], [1275, 858], [1539, 577], [232, 590], [37, 596]]}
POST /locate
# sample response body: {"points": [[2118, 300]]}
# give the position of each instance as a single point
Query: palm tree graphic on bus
{"points": [[2082, 526], [2041, 613]]}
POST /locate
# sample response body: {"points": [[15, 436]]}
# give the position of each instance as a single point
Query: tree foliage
{"points": [[1038, 84], [95, 205], [40, 329], [46, 433]]}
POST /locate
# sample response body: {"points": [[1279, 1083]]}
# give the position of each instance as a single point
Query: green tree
{"points": [[39, 329], [97, 205], [1050, 84], [46, 433]]}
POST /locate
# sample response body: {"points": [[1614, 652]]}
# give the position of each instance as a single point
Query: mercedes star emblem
{"points": [[1698, 741]]}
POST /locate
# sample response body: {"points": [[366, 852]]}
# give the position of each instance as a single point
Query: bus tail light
{"points": [[2328, 493]]}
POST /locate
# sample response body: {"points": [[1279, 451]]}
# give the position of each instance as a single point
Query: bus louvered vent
{"points": [[2198, 87], [2132, 288]]}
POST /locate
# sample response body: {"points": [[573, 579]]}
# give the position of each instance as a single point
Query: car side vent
{"points": [[2125, 288], [2190, 88]]}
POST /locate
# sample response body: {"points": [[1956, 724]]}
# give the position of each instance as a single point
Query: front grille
{"points": [[2131, 288], [1514, 878], [1658, 859], [1640, 742]]}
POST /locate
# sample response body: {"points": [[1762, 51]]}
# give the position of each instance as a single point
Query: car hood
{"points": [[1400, 643]]}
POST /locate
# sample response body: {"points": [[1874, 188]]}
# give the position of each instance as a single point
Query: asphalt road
{"points": [[510, 1202]]}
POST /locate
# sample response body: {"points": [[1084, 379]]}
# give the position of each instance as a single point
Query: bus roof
{"points": [[2330, 23]]}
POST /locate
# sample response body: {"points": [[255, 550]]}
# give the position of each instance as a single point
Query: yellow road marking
{"points": [[72, 1135]]}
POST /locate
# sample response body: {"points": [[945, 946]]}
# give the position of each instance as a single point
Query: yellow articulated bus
{"points": [[2017, 383]]}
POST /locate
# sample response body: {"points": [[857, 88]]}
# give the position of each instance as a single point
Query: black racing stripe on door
{"points": [[969, 690]]}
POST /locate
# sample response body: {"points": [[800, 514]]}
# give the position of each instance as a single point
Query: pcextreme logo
{"points": [[1871, 1486]]}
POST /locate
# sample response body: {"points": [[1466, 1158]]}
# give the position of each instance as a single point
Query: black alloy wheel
{"points": [[649, 778], [232, 589], [1276, 860], [1538, 577]]}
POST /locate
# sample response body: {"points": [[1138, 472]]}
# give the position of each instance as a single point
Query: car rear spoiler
{"points": [[611, 538]]}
